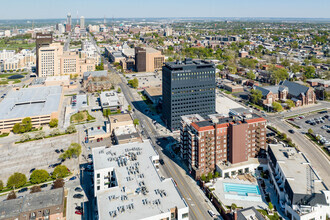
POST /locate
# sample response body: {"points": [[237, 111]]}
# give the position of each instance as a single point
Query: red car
{"points": [[78, 212]]}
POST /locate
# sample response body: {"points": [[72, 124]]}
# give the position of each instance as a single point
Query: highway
{"points": [[196, 200]]}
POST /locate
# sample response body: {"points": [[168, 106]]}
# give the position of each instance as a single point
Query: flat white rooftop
{"points": [[28, 102], [109, 99], [140, 193], [296, 168]]}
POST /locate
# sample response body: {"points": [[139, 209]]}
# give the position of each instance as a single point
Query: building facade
{"points": [[148, 59], [206, 143], [188, 88], [300, 191]]}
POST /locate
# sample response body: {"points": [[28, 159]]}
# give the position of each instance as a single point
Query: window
{"points": [[184, 215], [98, 187], [98, 175]]}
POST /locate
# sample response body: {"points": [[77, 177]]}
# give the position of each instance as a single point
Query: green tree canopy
{"points": [[60, 171], [39, 176], [136, 122], [310, 131], [74, 149], [279, 74], [71, 129], [256, 96], [290, 103], [248, 63], [277, 106], [250, 75], [134, 82], [53, 123], [1, 185], [16, 180]]}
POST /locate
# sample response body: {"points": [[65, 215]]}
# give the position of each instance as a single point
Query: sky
{"points": [[43, 9]]}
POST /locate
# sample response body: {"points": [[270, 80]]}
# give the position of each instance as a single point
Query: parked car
{"points": [[73, 178], [78, 196], [78, 212], [23, 190], [161, 161], [33, 169], [291, 131], [57, 151], [78, 189], [44, 185], [211, 213], [79, 208]]}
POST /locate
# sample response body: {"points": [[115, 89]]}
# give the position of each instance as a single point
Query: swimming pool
{"points": [[241, 189]]}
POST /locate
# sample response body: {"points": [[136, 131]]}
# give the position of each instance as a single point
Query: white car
{"points": [[211, 213]]}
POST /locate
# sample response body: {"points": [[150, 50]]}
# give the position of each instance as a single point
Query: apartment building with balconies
{"points": [[206, 143]]}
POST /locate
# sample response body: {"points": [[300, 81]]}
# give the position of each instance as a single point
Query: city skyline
{"points": [[38, 9]]}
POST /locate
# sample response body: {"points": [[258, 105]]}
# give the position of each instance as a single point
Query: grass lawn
{"points": [[4, 135], [81, 117]]}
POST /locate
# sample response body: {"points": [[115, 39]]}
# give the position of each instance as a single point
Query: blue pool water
{"points": [[241, 189]]}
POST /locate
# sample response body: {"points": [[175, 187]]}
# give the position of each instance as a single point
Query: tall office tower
{"points": [[82, 22], [188, 88], [48, 63], [209, 145], [69, 19], [68, 24], [42, 40]]}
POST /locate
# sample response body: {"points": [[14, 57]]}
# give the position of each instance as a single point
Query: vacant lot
{"points": [[82, 116]]}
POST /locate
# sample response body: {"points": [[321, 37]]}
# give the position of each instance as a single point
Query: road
{"points": [[318, 160], [187, 186]]}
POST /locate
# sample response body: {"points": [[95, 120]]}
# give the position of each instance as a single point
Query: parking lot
{"points": [[318, 122], [147, 79], [38, 154]]}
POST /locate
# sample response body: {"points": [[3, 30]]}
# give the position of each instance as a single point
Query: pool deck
{"points": [[226, 198]]}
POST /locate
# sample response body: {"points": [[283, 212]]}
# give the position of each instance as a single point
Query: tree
{"points": [[134, 82], [279, 74], [129, 108], [270, 206], [220, 67], [250, 75], [203, 178], [290, 103], [53, 123], [309, 72], [277, 106], [209, 176], [27, 123], [58, 183], [16, 180], [11, 195], [39, 176], [60, 171], [136, 122], [233, 206], [16, 128], [71, 129], [25, 137], [119, 90], [55, 132], [216, 174], [35, 189], [40, 135], [256, 96], [310, 131], [247, 62], [1, 185]]}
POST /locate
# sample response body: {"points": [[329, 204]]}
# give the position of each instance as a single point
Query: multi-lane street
{"points": [[317, 158], [198, 203]]}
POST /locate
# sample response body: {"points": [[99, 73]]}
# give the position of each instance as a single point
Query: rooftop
{"points": [[120, 118], [189, 63], [296, 169], [154, 91], [44, 199], [95, 74], [141, 193], [29, 102], [249, 214], [109, 99]]}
